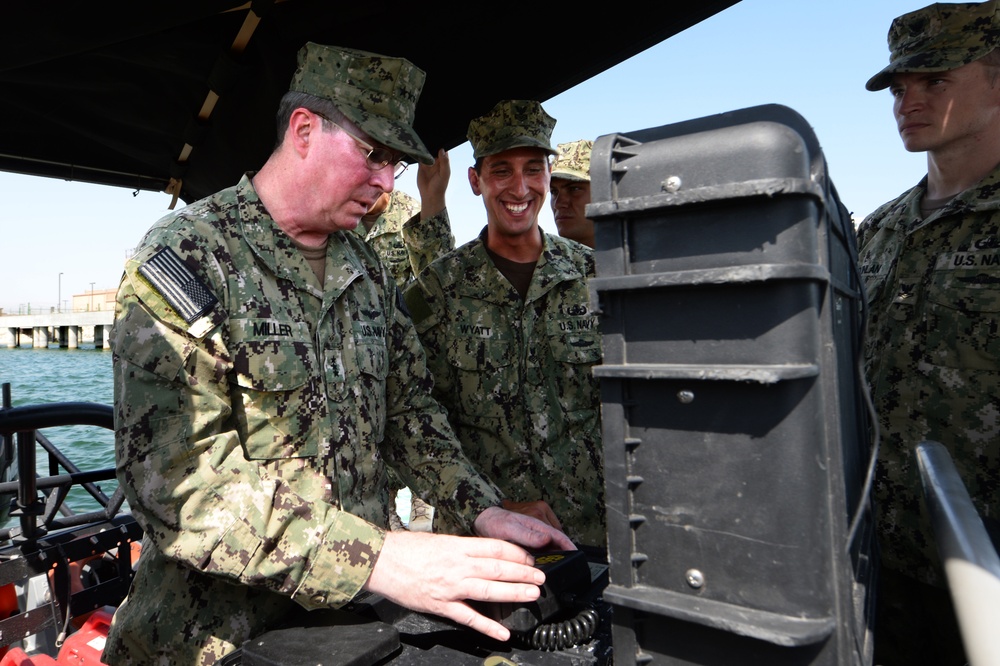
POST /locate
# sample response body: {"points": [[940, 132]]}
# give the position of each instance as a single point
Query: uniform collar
{"points": [[905, 213], [275, 249], [478, 278]]}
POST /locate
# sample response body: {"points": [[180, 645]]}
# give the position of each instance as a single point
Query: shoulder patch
{"points": [[182, 289]]}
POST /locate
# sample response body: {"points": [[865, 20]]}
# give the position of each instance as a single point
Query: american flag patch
{"points": [[171, 277]]}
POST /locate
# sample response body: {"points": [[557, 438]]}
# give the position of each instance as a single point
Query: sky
{"points": [[63, 238]]}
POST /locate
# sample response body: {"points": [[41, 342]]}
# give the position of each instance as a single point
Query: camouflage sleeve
{"points": [[423, 299], [426, 240], [417, 428], [179, 458]]}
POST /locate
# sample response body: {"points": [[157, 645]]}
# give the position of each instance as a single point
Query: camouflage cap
{"points": [[939, 37], [377, 93], [512, 123], [573, 160]]}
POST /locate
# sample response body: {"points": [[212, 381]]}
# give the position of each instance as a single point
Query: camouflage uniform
{"points": [[252, 441], [933, 357], [932, 353], [256, 410], [515, 376], [407, 247]]}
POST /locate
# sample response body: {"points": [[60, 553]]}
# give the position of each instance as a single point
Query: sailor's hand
{"points": [[523, 530], [437, 573], [432, 183], [539, 509]]}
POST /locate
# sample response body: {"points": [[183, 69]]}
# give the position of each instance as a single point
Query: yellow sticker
{"points": [[497, 660]]}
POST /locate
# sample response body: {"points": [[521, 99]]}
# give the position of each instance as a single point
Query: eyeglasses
{"points": [[377, 158]]}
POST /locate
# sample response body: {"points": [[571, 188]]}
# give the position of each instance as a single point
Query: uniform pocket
{"points": [[278, 399], [487, 379], [963, 319], [576, 348]]}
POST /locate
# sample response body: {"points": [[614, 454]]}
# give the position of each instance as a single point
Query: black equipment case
{"points": [[734, 414]]}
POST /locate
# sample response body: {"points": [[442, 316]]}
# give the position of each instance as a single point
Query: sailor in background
{"points": [[931, 265]]}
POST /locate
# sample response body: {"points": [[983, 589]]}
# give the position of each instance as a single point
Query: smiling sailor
{"points": [[511, 337]]}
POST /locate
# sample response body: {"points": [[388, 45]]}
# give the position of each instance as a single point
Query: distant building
{"points": [[94, 301]]}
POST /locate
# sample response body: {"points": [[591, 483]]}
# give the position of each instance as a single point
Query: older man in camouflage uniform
{"points": [[266, 373], [569, 191], [511, 336], [931, 263]]}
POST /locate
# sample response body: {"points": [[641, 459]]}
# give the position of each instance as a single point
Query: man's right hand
{"points": [[437, 573], [432, 183]]}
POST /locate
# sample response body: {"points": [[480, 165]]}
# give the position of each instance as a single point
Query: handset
{"points": [[569, 580]]}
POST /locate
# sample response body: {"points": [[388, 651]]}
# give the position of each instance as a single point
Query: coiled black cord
{"points": [[560, 635]]}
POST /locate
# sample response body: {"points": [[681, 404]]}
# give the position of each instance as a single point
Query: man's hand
{"points": [[432, 182], [523, 530], [539, 509], [437, 573]]}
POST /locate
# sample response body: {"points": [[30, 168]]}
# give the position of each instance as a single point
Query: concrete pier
{"points": [[68, 329]]}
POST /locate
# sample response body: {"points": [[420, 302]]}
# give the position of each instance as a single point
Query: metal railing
{"points": [[39, 501]]}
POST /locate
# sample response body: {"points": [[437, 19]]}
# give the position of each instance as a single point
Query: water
{"points": [[39, 376]]}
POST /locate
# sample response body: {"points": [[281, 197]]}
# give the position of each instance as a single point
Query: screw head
{"points": [[694, 578]]}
